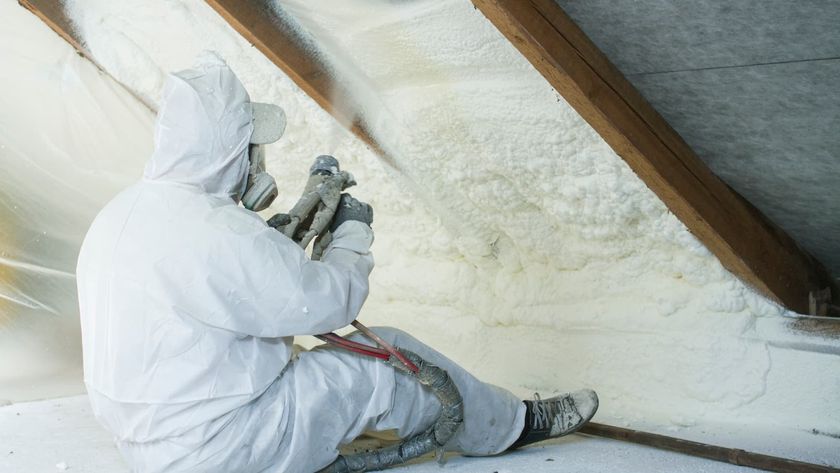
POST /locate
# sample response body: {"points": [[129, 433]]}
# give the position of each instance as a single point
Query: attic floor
{"points": [[62, 435]]}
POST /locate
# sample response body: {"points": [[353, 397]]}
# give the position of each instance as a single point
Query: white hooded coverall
{"points": [[189, 305]]}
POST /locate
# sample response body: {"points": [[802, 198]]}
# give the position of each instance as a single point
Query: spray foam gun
{"points": [[310, 219]]}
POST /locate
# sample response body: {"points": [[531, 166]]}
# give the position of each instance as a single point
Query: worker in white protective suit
{"points": [[190, 302]]}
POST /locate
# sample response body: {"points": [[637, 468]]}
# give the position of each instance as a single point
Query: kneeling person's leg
{"points": [[336, 395], [493, 417]]}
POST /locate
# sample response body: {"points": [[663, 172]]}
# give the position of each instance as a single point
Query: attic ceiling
{"points": [[760, 254], [752, 86]]}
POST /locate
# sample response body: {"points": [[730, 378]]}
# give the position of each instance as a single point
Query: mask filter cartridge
{"points": [[261, 189]]}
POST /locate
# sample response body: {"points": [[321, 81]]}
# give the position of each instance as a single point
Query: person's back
{"points": [[189, 303], [149, 338]]}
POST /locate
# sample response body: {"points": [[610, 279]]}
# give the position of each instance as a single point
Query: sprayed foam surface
{"points": [[509, 235]]}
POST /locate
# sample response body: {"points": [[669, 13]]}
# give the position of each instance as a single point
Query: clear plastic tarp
{"points": [[70, 138]]}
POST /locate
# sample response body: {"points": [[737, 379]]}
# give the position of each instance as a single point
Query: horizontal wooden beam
{"points": [[282, 43], [733, 456], [744, 240]]}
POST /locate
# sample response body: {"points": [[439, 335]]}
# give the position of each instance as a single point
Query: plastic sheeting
{"points": [[70, 138]]}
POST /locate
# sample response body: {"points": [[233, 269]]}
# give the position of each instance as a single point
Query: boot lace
{"points": [[544, 412], [548, 412]]}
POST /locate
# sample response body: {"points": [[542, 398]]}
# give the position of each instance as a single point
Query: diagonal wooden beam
{"points": [[52, 13], [746, 242], [281, 43]]}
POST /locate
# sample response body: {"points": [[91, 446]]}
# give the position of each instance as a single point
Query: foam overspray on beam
{"points": [[287, 47]]}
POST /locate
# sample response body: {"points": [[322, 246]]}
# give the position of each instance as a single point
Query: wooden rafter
{"points": [[279, 42], [745, 241], [284, 46], [52, 13]]}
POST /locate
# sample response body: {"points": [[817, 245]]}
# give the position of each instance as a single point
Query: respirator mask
{"points": [[261, 188]]}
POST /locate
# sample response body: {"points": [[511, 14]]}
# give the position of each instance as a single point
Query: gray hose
{"points": [[451, 417]]}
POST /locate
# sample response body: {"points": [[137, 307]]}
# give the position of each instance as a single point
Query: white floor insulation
{"points": [[62, 435]]}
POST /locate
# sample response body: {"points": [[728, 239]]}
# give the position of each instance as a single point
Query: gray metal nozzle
{"points": [[325, 164]]}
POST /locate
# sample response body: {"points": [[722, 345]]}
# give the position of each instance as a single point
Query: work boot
{"points": [[557, 416]]}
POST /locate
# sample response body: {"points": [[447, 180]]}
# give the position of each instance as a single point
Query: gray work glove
{"points": [[351, 209]]}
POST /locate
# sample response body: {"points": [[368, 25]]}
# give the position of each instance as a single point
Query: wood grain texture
{"points": [[745, 242], [52, 13], [733, 456], [284, 46]]}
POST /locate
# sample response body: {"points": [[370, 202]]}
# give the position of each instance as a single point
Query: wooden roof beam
{"points": [[283, 45], [53, 13], [745, 242], [254, 20]]}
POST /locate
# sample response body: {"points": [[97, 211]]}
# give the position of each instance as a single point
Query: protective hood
{"points": [[202, 130]]}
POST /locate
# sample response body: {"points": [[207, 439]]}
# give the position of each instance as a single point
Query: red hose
{"points": [[354, 346], [387, 346], [384, 353]]}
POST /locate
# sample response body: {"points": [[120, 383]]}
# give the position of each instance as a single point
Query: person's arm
{"points": [[334, 289], [261, 283]]}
